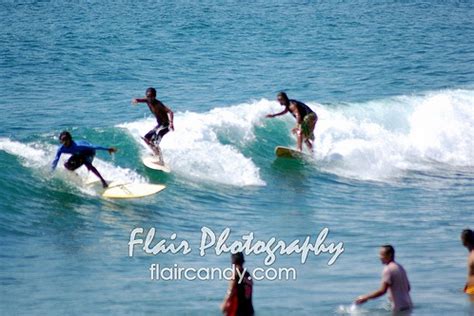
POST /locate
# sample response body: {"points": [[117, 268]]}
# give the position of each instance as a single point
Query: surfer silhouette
{"points": [[164, 118]]}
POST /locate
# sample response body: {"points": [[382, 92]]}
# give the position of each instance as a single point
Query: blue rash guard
{"points": [[80, 147]]}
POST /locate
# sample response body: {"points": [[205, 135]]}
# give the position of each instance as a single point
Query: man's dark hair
{"points": [[467, 236], [152, 90], [65, 135], [283, 95], [389, 250], [238, 258]]}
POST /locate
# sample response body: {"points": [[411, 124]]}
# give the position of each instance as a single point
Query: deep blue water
{"points": [[392, 83]]}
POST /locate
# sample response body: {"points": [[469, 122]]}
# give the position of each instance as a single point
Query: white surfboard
{"points": [[153, 162], [286, 152], [122, 190]]}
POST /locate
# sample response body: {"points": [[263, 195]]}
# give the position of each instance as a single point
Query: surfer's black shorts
{"points": [[75, 161], [155, 135]]}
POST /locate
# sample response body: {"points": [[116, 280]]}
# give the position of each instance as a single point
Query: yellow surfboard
{"points": [[286, 152], [122, 190]]}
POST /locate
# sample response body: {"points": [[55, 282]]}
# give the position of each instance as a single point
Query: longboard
{"points": [[285, 152], [154, 163], [121, 190]]}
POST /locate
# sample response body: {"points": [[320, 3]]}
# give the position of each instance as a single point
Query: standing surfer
{"points": [[305, 120], [164, 118]]}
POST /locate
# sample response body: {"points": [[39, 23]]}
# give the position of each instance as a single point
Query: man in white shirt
{"points": [[394, 280]]}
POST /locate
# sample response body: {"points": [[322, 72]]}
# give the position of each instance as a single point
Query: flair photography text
{"points": [[221, 243]]}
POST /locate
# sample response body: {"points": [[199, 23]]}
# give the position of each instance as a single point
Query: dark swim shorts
{"points": [[75, 161]]}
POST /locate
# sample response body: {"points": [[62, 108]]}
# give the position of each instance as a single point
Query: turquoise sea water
{"points": [[392, 83]]}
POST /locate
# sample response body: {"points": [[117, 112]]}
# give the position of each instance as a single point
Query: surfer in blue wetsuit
{"points": [[83, 153], [164, 118], [305, 120]]}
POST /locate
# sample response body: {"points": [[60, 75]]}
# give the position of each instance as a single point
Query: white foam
{"points": [[383, 139], [39, 156], [31, 155], [194, 150], [377, 140], [352, 309]]}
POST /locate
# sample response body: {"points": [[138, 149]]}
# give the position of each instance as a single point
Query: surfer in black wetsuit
{"points": [[305, 120], [164, 118]]}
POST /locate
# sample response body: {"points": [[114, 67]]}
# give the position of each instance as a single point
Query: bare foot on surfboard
{"points": [[156, 150]]}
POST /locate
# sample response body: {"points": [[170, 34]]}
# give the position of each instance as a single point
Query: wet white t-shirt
{"points": [[399, 287]]}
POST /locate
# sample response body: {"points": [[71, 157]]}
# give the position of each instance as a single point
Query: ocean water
{"points": [[391, 81]]}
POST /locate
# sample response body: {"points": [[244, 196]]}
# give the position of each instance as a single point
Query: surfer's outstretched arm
{"points": [[111, 150], [277, 114], [138, 100], [54, 164]]}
